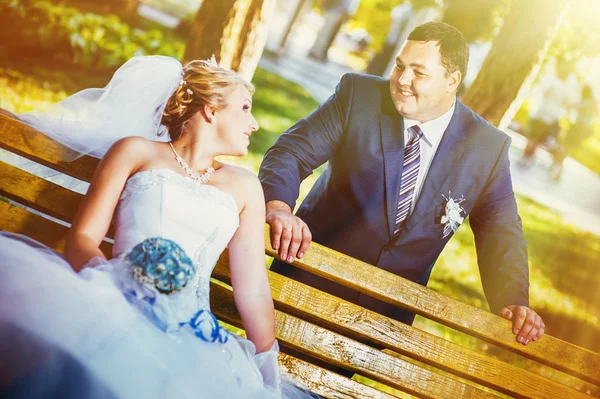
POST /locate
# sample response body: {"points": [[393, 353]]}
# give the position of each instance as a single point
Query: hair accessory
{"points": [[212, 61], [203, 178], [183, 83]]}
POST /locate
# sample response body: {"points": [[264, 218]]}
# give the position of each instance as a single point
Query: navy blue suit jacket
{"points": [[352, 206]]}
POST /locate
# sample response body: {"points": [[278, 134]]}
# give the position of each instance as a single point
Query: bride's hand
{"points": [[290, 236]]}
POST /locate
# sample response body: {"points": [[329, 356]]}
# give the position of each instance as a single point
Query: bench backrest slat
{"points": [[27, 142], [390, 288], [326, 383], [17, 220], [37, 193], [364, 325], [341, 351]]}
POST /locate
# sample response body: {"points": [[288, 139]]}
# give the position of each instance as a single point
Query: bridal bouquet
{"points": [[162, 263]]}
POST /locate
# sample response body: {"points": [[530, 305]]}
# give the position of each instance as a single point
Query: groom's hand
{"points": [[290, 236], [527, 324]]}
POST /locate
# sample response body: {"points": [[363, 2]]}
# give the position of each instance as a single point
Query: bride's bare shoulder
{"points": [[242, 183], [237, 173], [134, 146]]}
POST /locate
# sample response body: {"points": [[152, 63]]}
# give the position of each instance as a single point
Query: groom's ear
{"points": [[454, 80]]}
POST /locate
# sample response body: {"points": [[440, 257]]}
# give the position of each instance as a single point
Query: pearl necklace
{"points": [[203, 178]]}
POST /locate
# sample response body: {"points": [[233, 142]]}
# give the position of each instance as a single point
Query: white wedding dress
{"points": [[130, 340]]}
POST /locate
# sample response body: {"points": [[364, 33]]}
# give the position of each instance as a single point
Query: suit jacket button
{"points": [[388, 248]]}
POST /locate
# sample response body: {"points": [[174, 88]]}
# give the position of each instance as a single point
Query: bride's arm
{"points": [[251, 289], [96, 210]]}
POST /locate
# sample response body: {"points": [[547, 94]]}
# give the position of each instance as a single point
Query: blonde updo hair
{"points": [[204, 83]]}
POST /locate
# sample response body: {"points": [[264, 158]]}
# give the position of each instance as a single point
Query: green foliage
{"points": [[86, 39], [375, 17], [577, 36], [479, 20], [22, 93]]}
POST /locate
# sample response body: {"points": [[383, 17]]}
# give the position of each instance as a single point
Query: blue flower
{"points": [[162, 263]]}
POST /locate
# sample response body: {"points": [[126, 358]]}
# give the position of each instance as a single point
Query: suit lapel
{"points": [[448, 153], [392, 145]]}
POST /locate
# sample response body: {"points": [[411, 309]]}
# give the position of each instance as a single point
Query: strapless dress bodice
{"points": [[199, 217]]}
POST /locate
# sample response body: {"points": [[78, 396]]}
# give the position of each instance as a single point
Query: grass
{"points": [[563, 260]]}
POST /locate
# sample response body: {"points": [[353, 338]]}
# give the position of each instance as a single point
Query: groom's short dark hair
{"points": [[454, 49]]}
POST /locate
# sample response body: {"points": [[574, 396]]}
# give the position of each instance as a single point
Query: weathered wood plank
{"points": [[325, 383], [398, 291], [8, 114], [364, 325], [27, 142], [52, 234], [352, 355], [37, 193], [40, 195]]}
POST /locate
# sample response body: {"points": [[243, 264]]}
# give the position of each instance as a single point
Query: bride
{"points": [[139, 325]]}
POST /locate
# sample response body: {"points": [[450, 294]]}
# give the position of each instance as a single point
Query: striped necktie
{"points": [[410, 172]]}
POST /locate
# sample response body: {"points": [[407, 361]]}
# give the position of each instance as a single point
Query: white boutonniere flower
{"points": [[452, 217]]}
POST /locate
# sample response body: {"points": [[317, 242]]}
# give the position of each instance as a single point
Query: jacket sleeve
{"points": [[306, 145], [499, 240]]}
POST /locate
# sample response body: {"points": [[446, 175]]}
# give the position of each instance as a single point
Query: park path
{"points": [[576, 197]]}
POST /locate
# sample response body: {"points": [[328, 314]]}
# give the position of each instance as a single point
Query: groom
{"points": [[407, 163]]}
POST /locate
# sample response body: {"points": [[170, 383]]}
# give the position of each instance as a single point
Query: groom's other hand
{"points": [[527, 324], [290, 236]]}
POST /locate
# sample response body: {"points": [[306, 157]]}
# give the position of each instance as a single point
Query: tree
{"points": [[477, 20], [235, 31], [515, 59]]}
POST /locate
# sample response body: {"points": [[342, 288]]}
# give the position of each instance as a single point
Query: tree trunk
{"points": [[253, 37], [333, 23], [235, 31], [515, 59], [300, 4]]}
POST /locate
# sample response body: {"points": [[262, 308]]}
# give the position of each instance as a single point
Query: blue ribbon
{"points": [[207, 328], [204, 323]]}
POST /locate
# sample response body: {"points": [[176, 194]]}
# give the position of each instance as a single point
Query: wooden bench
{"points": [[327, 329]]}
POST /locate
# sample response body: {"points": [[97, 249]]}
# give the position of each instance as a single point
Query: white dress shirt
{"points": [[432, 135]]}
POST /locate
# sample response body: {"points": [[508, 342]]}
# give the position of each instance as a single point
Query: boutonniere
{"points": [[452, 218]]}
